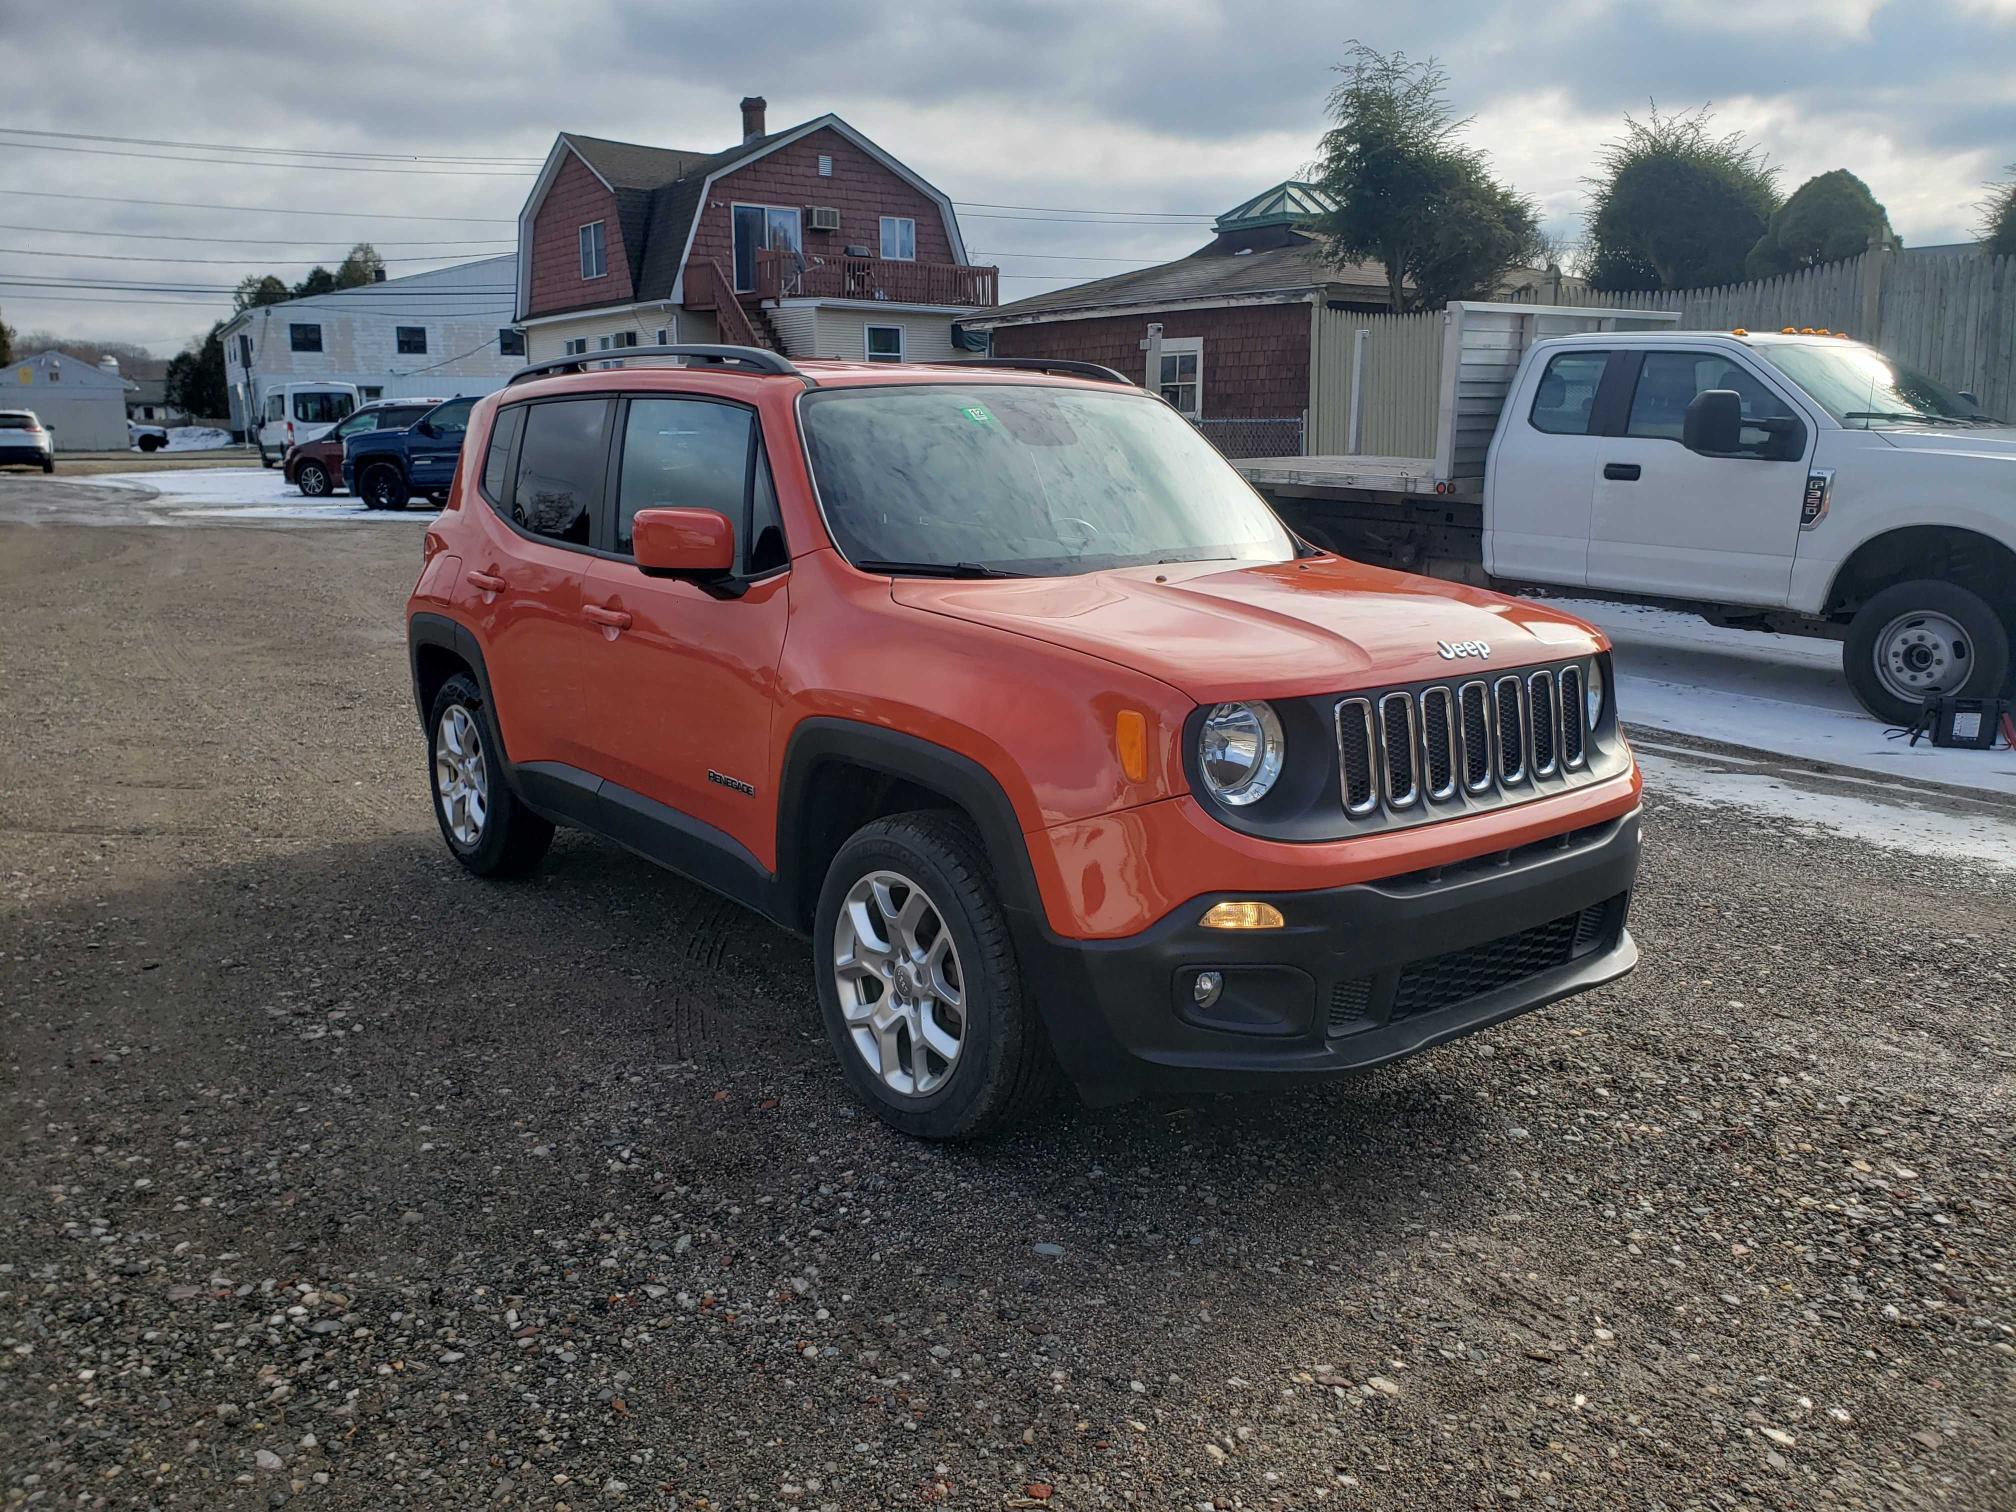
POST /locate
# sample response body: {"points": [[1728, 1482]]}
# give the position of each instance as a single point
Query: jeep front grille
{"points": [[1483, 742]]}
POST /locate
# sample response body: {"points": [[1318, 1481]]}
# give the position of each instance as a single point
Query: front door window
{"points": [[761, 228]]}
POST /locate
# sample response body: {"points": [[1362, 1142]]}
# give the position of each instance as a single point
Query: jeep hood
{"points": [[1319, 625]]}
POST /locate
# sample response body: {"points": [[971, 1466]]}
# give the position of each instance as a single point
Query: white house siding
{"points": [[548, 338], [843, 332], [83, 405], [462, 309]]}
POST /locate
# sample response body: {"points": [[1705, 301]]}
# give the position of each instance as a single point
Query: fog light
{"points": [[1242, 915], [1204, 991]]}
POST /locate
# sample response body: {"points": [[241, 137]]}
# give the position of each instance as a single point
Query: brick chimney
{"points": [[753, 107]]}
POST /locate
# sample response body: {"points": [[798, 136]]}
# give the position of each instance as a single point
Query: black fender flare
{"points": [[822, 740], [438, 630]]}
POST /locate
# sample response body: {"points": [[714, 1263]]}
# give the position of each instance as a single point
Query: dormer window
{"points": [[594, 251]]}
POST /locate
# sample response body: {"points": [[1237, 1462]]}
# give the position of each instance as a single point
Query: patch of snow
{"points": [[196, 438], [217, 495], [1887, 816], [1779, 693]]}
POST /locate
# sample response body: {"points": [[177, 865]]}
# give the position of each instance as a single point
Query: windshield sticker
{"points": [[978, 414]]}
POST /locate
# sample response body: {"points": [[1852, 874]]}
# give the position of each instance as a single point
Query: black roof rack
{"points": [[755, 359], [1046, 365]]}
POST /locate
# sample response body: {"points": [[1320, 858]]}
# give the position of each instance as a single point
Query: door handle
{"points": [[614, 619], [1621, 472], [486, 581]]}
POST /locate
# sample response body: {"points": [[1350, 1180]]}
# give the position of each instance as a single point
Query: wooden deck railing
{"points": [[788, 275]]}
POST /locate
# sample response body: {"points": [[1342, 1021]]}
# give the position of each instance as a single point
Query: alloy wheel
{"points": [[461, 776], [902, 989]]}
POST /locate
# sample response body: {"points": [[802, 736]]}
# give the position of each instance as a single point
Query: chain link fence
{"points": [[1279, 437]]}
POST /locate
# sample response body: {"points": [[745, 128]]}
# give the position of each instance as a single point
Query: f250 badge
{"points": [[1452, 650]]}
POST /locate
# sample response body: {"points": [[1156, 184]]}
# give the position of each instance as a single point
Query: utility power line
{"points": [[106, 199], [174, 157], [249, 241], [230, 263], [397, 157]]}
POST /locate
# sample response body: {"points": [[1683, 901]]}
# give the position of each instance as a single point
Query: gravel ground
{"points": [[339, 1177]]}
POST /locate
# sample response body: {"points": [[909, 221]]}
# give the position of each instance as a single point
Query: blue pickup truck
{"points": [[386, 468]]}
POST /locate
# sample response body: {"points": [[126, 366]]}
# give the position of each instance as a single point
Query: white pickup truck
{"points": [[1788, 480]]}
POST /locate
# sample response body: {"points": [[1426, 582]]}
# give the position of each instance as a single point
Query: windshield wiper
{"points": [[937, 569], [1911, 416]]}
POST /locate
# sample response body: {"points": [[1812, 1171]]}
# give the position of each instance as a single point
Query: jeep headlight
{"points": [[1593, 694], [1239, 752]]}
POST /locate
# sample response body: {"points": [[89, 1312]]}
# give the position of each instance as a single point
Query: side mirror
{"points": [[1714, 423], [698, 543], [426, 428]]}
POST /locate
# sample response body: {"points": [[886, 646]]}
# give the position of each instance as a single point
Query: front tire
{"points": [[383, 486], [486, 827], [313, 480], [919, 985], [1920, 638]]}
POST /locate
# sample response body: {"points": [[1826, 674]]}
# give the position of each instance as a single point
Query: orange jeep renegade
{"points": [[998, 682]]}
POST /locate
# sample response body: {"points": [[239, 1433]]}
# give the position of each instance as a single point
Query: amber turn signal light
{"points": [[1242, 915], [1130, 738]]}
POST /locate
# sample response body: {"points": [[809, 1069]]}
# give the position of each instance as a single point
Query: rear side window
{"points": [[357, 424], [276, 406], [560, 469], [399, 419], [1567, 394], [322, 408], [497, 459]]}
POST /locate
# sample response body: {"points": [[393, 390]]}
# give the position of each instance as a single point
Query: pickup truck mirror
{"points": [[697, 543], [426, 428], [1714, 423]]}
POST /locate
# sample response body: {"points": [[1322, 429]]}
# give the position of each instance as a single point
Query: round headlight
{"points": [[1594, 696], [1239, 751]]}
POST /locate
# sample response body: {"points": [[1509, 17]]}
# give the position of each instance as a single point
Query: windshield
{"points": [[1865, 390], [1025, 479]]}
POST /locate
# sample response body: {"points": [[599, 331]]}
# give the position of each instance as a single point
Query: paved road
{"points": [[335, 1174]]}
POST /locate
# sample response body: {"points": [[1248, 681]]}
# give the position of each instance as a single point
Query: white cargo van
{"points": [[1789, 480], [290, 413]]}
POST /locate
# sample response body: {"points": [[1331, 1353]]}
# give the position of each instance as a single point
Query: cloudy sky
{"points": [[1080, 139]]}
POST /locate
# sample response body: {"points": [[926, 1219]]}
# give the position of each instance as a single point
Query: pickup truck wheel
{"points": [[1921, 638], [383, 486], [313, 480], [919, 984], [485, 825]]}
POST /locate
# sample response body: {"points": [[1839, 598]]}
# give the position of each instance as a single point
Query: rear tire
{"points": [[383, 486], [313, 480], [264, 460], [487, 829], [1920, 638], [48, 464], [929, 987]]}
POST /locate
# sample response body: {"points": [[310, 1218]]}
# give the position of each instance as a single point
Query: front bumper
{"points": [[1360, 976]]}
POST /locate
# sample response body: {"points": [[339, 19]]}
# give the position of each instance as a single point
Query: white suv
{"points": [[24, 439]]}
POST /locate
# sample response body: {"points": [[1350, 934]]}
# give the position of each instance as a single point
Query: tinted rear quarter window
{"points": [[560, 469], [497, 457], [1567, 392]]}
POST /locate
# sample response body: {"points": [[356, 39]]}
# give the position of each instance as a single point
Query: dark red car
{"points": [[316, 467]]}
